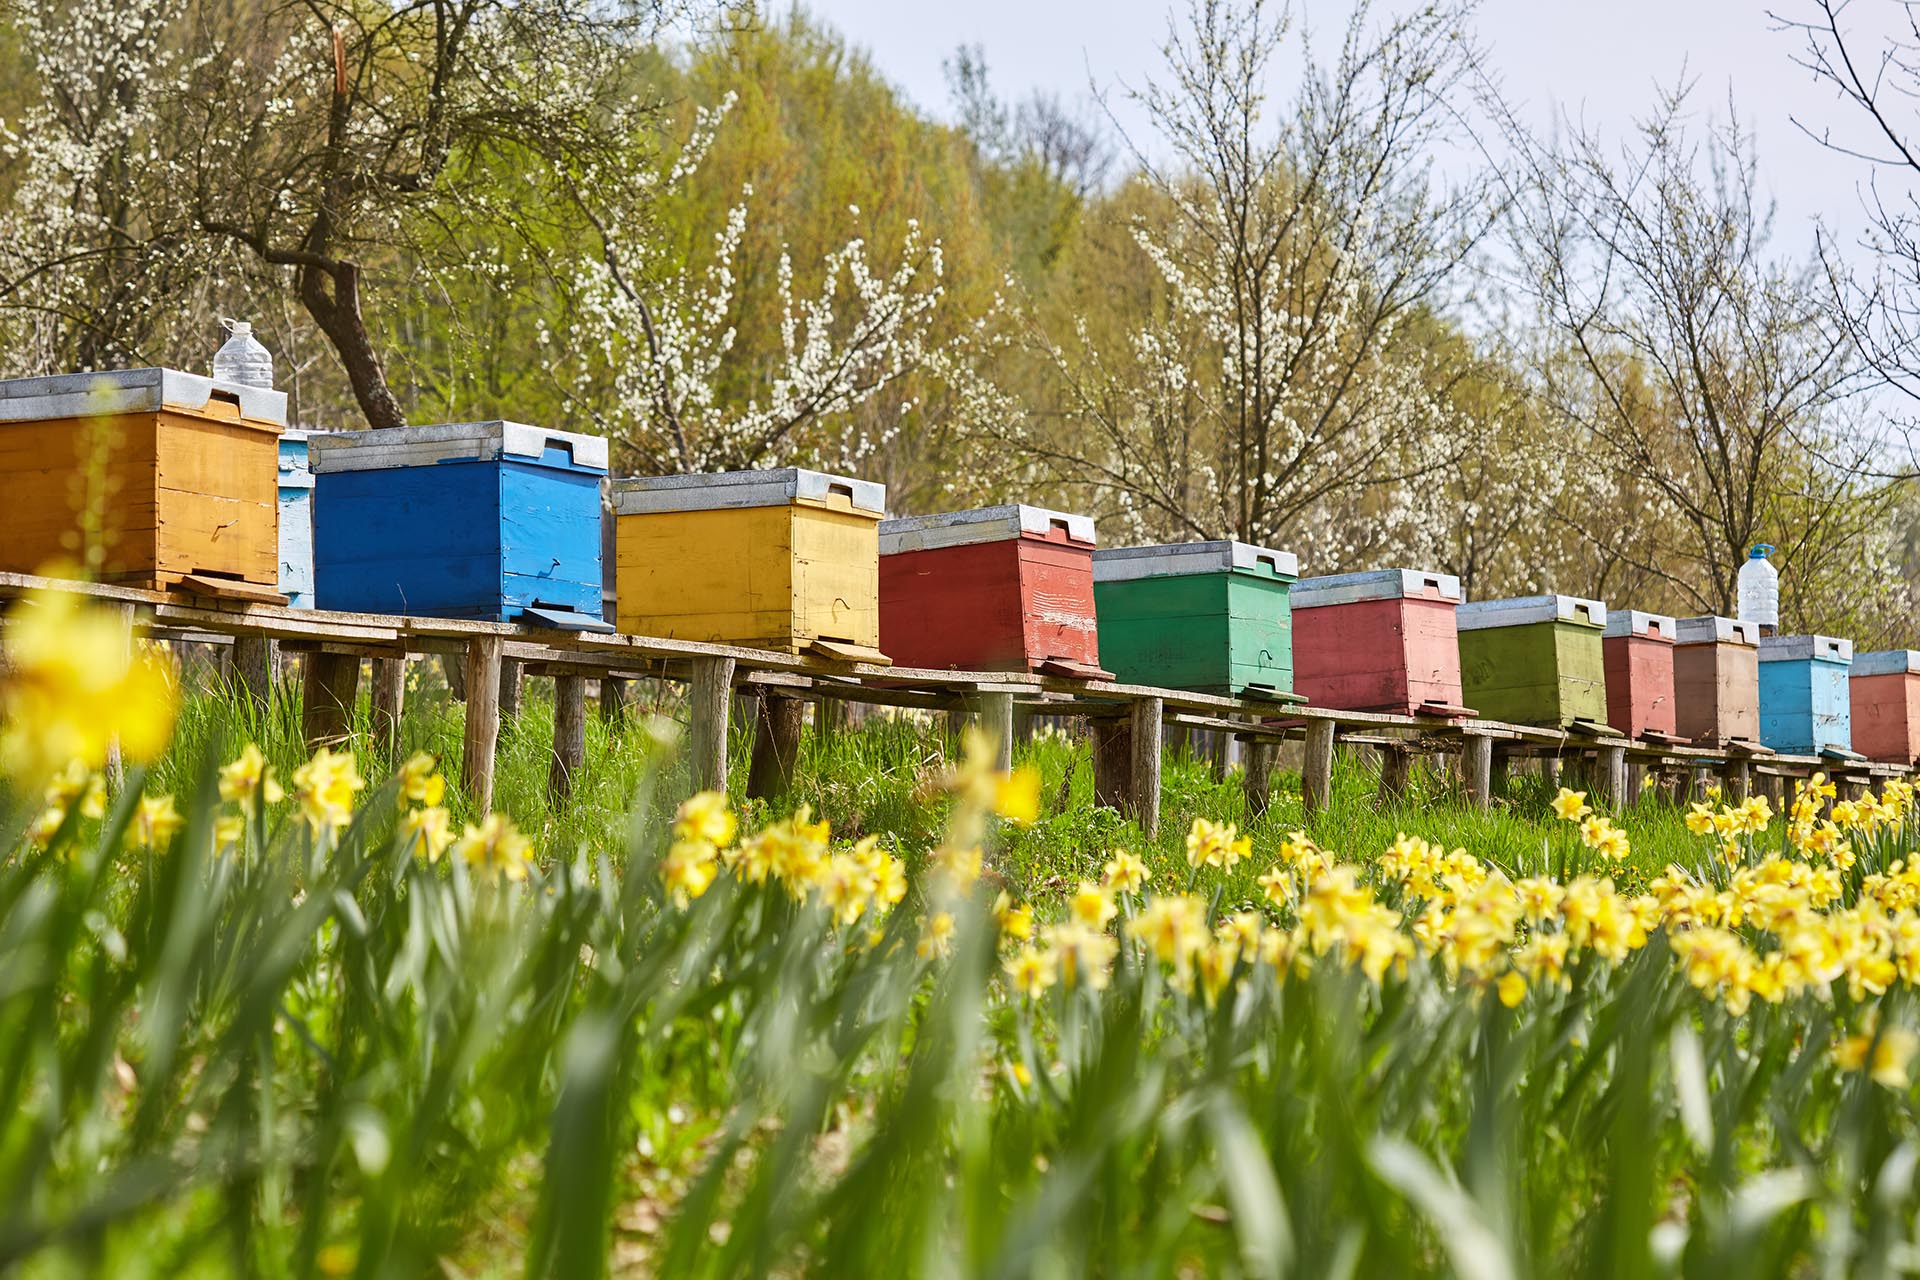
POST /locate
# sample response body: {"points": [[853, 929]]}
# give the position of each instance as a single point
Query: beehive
{"points": [[166, 473], [786, 559], [1884, 691], [1006, 588], [1378, 641], [1805, 707], [485, 520], [296, 520], [1716, 680], [1212, 617], [1534, 660], [1638, 652]]}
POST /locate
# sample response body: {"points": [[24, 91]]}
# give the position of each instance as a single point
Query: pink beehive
{"points": [[1638, 651], [1884, 690], [1378, 641]]}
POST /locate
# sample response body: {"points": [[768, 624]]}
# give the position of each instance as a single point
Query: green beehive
{"points": [[1211, 617], [1535, 660]]}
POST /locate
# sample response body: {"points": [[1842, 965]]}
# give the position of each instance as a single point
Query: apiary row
{"points": [[183, 478]]}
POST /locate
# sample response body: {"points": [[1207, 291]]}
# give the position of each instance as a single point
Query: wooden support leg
{"points": [[1147, 724], [1220, 754], [1112, 762], [1697, 778], [776, 746], [1550, 771], [326, 706], [483, 719], [1733, 780], [708, 698], [1396, 768], [1497, 774], [389, 702], [615, 695], [569, 735], [512, 685], [1636, 782], [1610, 777], [1476, 768], [996, 721], [256, 667], [1258, 754], [1851, 787], [1022, 728], [1316, 772]]}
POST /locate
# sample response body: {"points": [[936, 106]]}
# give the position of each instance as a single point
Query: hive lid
{"points": [[1805, 649], [1375, 584], [1484, 614], [1708, 629], [450, 442], [984, 524], [784, 486], [1173, 559], [1648, 626], [93, 395], [1887, 662]]}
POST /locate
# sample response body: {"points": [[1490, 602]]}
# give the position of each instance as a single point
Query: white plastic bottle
{"points": [[1760, 590], [241, 358]]}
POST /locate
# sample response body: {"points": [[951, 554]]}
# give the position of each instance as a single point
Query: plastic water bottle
{"points": [[241, 358], [1760, 590]]}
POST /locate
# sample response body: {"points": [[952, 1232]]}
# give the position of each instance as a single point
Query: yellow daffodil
{"points": [[1017, 797], [1570, 806], [427, 831], [325, 786], [1125, 873], [495, 847], [1031, 971], [155, 822], [248, 781], [420, 781]]}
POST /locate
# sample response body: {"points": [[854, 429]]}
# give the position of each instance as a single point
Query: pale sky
{"points": [[1599, 61]]}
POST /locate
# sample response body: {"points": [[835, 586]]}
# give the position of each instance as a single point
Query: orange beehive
{"points": [[161, 473]]}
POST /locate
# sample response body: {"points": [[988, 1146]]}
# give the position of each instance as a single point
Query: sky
{"points": [[1600, 63]]}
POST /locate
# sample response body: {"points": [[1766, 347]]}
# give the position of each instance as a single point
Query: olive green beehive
{"points": [[1535, 660]]}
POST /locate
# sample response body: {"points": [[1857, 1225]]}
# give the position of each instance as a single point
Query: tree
{"points": [[1709, 386], [1256, 359]]}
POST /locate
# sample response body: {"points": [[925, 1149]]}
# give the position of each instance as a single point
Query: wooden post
{"points": [[708, 697], [1501, 768], [1396, 768], [389, 703], [569, 734], [512, 684], [256, 667], [1636, 782], [1022, 727], [615, 695], [1610, 777], [482, 675], [1476, 769], [1316, 771], [326, 705], [1258, 754], [1145, 786], [1733, 779], [1112, 762], [996, 721], [1697, 783], [1850, 786], [116, 765], [1550, 771], [776, 745]]}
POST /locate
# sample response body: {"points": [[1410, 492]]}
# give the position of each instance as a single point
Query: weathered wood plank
{"points": [[708, 697], [1145, 785]]}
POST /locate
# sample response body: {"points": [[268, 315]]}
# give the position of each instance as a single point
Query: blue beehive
{"points": [[296, 521], [485, 520], [1805, 706]]}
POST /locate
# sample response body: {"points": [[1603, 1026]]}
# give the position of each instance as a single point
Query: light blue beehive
{"points": [[1805, 706], [296, 521], [485, 520]]}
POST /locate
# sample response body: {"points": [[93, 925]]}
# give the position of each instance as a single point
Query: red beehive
{"points": [[1378, 641], [1884, 691], [995, 589], [1637, 649]]}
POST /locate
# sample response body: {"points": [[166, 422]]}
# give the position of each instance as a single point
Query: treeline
{"points": [[1301, 314]]}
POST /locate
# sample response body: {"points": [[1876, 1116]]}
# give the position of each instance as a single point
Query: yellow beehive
{"points": [[165, 474], [786, 560]]}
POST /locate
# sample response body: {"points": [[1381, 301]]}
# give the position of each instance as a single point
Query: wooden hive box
{"points": [[786, 560], [172, 473], [1716, 680], [1884, 692], [1805, 706], [1638, 652], [1006, 588], [1210, 617], [1378, 641], [494, 521], [296, 520], [1535, 660]]}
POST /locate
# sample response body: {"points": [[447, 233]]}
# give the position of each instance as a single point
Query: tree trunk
{"points": [[338, 315]]}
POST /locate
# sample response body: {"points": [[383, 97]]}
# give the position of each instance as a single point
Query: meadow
{"points": [[920, 1018]]}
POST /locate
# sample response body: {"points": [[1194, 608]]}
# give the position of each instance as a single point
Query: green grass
{"points": [[314, 1060]]}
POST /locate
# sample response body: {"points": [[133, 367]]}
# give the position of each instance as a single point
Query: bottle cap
{"points": [[1761, 551], [238, 328]]}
